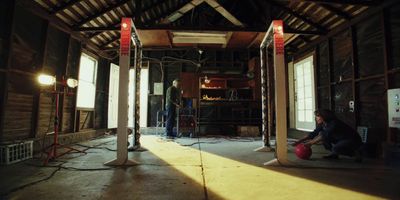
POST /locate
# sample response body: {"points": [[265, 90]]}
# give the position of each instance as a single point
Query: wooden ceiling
{"points": [[97, 21]]}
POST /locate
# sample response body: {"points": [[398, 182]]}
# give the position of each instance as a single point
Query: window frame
{"points": [[94, 81]]}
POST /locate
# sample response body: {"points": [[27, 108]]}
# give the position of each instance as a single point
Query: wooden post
{"points": [[386, 63]]}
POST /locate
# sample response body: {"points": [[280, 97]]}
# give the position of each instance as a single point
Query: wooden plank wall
{"points": [[38, 47], [360, 63]]}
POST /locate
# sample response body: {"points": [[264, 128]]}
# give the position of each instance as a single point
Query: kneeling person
{"points": [[335, 135]]}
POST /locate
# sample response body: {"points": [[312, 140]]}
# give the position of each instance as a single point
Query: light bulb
{"points": [[72, 83], [45, 79]]}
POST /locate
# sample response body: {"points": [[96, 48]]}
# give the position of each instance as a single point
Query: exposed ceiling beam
{"points": [[336, 11], [347, 2], [230, 29], [64, 6], [41, 12], [97, 29], [304, 18], [170, 39], [228, 38], [253, 40], [138, 11], [214, 4], [213, 28], [96, 15], [181, 11], [260, 11]]}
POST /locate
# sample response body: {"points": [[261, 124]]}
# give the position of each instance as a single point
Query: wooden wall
{"points": [[36, 46], [359, 63], [217, 61]]}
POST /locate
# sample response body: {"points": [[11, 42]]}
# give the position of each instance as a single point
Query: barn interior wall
{"points": [[36, 46], [174, 62], [360, 63]]}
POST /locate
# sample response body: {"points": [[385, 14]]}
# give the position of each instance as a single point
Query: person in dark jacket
{"points": [[172, 103], [336, 136]]}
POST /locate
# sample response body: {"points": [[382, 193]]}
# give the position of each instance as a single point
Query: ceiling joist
{"points": [[190, 28], [181, 11], [214, 4], [64, 6], [299, 16], [101, 13], [346, 2]]}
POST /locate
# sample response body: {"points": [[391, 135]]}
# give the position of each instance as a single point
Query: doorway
{"points": [[304, 94]]}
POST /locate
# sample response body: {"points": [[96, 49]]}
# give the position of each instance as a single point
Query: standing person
{"points": [[336, 136], [172, 103]]}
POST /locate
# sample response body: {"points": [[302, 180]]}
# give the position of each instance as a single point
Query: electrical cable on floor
{"points": [[33, 183], [188, 145], [202, 172], [95, 147]]}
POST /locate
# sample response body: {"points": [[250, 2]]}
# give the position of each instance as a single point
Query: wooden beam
{"points": [[181, 11], [265, 18], [353, 21], [138, 12], [346, 2], [64, 6], [97, 29], [208, 28], [170, 39], [302, 17], [336, 11], [214, 4], [253, 40], [228, 38], [96, 15], [41, 12]]}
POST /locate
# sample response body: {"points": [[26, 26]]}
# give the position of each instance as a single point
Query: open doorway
{"points": [[113, 97]]}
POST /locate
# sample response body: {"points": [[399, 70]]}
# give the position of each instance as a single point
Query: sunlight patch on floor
{"points": [[231, 179]]}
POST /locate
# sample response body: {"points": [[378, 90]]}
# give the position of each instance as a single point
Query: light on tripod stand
{"points": [[48, 80]]}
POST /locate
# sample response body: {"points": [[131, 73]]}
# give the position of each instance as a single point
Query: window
{"points": [[87, 82]]}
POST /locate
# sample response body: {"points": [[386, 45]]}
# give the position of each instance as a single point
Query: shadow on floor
{"points": [[85, 177], [370, 177]]}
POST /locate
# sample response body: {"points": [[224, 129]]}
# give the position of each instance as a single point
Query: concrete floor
{"points": [[205, 168]]}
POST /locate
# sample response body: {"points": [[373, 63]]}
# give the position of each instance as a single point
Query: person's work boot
{"points": [[170, 137], [332, 156]]}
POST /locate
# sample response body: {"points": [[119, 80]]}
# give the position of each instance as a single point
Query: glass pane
{"points": [[86, 95], [307, 79], [299, 70], [308, 92], [300, 81], [307, 68], [309, 115], [87, 82], [301, 116], [300, 94], [87, 69], [300, 105], [308, 104]]}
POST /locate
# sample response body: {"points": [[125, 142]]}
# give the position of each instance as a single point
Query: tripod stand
{"points": [[51, 150]]}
